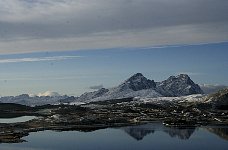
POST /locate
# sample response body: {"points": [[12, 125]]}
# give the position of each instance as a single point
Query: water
{"points": [[17, 119], [144, 137]]}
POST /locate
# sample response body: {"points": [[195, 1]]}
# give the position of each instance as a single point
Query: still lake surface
{"points": [[143, 137], [16, 119]]}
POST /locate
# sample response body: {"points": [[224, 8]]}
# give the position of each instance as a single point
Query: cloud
{"points": [[191, 73], [40, 25], [20, 148], [49, 93], [96, 87], [32, 59], [67, 76], [42, 78]]}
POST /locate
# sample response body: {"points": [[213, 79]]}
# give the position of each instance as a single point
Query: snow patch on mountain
{"points": [[175, 88], [180, 85], [116, 93], [135, 86], [189, 98], [218, 99], [140, 86]]}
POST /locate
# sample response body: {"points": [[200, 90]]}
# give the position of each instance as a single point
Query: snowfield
{"points": [[189, 98]]}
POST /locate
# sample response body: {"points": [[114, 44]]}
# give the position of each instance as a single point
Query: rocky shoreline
{"points": [[100, 115]]}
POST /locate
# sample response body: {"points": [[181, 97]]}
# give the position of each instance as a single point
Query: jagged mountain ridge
{"points": [[135, 86], [138, 82], [180, 85], [218, 99], [28, 100], [210, 88], [139, 86]]}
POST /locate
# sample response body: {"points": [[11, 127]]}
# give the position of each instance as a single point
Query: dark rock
{"points": [[219, 100], [138, 82], [180, 85]]}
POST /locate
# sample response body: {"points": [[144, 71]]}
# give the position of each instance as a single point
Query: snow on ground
{"points": [[77, 103], [154, 100], [189, 98]]}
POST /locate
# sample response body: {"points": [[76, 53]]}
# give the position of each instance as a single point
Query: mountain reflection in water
{"points": [[222, 132], [146, 137], [141, 131]]}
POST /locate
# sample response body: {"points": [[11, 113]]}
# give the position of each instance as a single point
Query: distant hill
{"points": [[28, 100]]}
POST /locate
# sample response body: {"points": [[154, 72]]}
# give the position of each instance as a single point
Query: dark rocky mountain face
{"points": [[138, 82], [219, 100], [180, 85], [139, 85], [210, 89], [68, 99]]}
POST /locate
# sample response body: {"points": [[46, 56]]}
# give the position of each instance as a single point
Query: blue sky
{"points": [[74, 72]]}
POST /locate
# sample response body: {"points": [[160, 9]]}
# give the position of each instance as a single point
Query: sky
{"points": [[74, 46], [76, 72]]}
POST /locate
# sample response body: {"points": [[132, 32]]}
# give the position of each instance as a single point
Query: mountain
{"points": [[93, 95], [180, 85], [210, 89], [139, 86], [135, 86], [28, 100], [138, 82], [219, 99]]}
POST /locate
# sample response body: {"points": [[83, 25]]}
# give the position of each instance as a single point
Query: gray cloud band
{"points": [[37, 59], [81, 24]]}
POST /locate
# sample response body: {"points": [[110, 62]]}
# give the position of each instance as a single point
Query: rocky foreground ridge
{"points": [[176, 113]]}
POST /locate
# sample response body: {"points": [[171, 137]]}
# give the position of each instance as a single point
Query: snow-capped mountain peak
{"points": [[135, 86], [35, 99], [139, 86], [180, 85]]}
